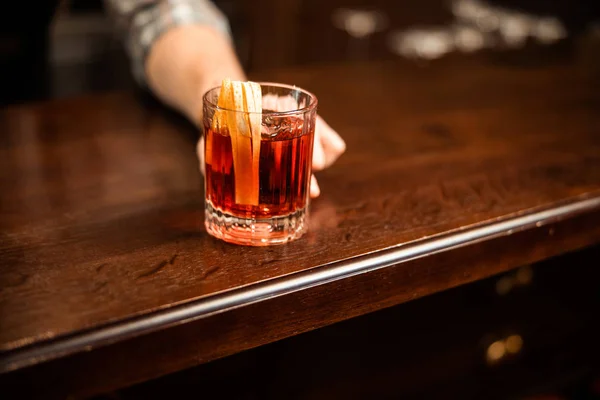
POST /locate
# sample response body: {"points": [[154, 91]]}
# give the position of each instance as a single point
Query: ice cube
{"points": [[281, 128], [272, 102]]}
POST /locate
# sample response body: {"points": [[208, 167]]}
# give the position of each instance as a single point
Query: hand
{"points": [[328, 147]]}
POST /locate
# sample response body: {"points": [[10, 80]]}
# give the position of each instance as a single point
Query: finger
{"points": [[200, 153], [315, 191], [319, 159], [332, 144]]}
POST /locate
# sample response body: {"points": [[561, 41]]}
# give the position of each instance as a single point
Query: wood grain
{"points": [[149, 356], [102, 211]]}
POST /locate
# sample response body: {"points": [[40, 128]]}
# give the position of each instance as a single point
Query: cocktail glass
{"points": [[257, 186]]}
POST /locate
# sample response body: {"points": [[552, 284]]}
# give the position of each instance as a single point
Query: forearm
{"points": [[177, 48], [186, 61]]}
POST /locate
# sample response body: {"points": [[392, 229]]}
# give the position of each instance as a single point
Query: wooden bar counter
{"points": [[455, 171]]}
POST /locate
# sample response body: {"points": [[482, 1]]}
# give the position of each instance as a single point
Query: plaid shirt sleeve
{"points": [[141, 22]]}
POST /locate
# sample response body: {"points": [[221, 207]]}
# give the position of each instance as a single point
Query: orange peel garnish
{"points": [[240, 111]]}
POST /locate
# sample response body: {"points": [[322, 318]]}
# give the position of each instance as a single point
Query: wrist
{"points": [[186, 62]]}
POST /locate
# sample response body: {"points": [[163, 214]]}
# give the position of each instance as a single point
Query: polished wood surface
{"points": [[432, 348], [105, 261]]}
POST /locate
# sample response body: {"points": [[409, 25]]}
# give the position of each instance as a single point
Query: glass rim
{"points": [[310, 107]]}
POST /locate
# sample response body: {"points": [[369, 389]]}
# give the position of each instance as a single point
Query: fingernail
{"points": [[315, 191]]}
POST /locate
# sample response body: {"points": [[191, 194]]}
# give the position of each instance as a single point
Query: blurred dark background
{"points": [[56, 48]]}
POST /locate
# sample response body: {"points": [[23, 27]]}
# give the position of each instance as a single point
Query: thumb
{"points": [[315, 191]]}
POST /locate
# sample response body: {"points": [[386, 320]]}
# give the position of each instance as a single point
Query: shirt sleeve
{"points": [[141, 22]]}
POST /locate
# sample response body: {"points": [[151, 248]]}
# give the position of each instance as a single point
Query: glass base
{"points": [[254, 232]]}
